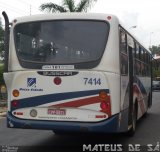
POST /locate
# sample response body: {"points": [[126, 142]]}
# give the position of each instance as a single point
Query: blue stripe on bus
{"points": [[44, 99], [140, 84]]}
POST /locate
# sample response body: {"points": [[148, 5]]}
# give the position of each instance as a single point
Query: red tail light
{"points": [[105, 105], [14, 103]]}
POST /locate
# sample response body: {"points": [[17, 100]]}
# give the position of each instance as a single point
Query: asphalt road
{"points": [[148, 132]]}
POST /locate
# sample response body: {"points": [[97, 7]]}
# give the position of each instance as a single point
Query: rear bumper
{"points": [[110, 125]]}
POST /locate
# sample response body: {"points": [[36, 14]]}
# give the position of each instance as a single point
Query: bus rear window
{"points": [[63, 42]]}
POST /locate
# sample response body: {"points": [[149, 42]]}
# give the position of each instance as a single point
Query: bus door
{"points": [[132, 109], [124, 88], [126, 60], [131, 77]]}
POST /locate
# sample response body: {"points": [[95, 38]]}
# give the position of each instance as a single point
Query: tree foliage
{"points": [[156, 65], [67, 6], [155, 49], [1, 74]]}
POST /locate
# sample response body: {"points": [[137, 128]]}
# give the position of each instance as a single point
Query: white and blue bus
{"points": [[75, 72]]}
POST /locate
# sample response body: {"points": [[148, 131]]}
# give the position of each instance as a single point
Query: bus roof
{"points": [[94, 16]]}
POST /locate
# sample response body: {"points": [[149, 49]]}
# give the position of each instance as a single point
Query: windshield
{"points": [[71, 42]]}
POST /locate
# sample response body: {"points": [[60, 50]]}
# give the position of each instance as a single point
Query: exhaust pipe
{"points": [[6, 41]]}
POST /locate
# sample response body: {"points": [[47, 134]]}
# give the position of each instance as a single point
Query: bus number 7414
{"points": [[92, 81]]}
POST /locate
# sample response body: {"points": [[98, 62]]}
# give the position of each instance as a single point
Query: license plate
{"points": [[56, 111]]}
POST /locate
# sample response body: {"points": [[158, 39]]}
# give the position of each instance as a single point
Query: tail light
{"points": [[105, 104], [103, 95], [14, 103]]}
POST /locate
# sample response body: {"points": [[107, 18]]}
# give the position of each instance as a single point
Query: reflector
{"points": [[33, 113]]}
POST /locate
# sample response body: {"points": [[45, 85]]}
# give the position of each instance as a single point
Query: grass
{"points": [[1, 67], [1, 64]]}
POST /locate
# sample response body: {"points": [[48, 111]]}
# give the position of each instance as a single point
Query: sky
{"points": [[144, 14]]}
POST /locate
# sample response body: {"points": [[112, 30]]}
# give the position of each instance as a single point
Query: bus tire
{"points": [[132, 130], [148, 105], [149, 100]]}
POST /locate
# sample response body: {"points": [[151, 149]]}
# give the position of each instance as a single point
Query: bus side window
{"points": [[123, 53], [137, 60], [137, 67], [137, 51], [148, 64], [123, 42], [124, 64]]}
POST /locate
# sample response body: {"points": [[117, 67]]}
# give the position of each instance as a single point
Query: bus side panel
{"points": [[124, 103], [121, 108], [8, 77], [114, 85], [141, 90], [141, 93]]}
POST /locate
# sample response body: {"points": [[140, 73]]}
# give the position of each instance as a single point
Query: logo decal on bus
{"points": [[31, 86], [31, 82]]}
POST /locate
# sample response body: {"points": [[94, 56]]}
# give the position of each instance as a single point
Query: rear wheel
{"points": [[149, 100], [148, 105]]}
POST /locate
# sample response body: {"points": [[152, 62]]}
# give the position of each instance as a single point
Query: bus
{"points": [[75, 72]]}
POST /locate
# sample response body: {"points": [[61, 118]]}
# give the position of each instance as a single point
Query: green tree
{"points": [[1, 74], [156, 63], [67, 6], [155, 49]]}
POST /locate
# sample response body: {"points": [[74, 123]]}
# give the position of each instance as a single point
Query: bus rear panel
{"points": [[64, 74]]}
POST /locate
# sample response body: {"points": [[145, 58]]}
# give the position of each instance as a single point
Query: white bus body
{"points": [[69, 85]]}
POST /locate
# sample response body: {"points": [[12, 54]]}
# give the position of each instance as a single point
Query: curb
{"points": [[3, 114]]}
